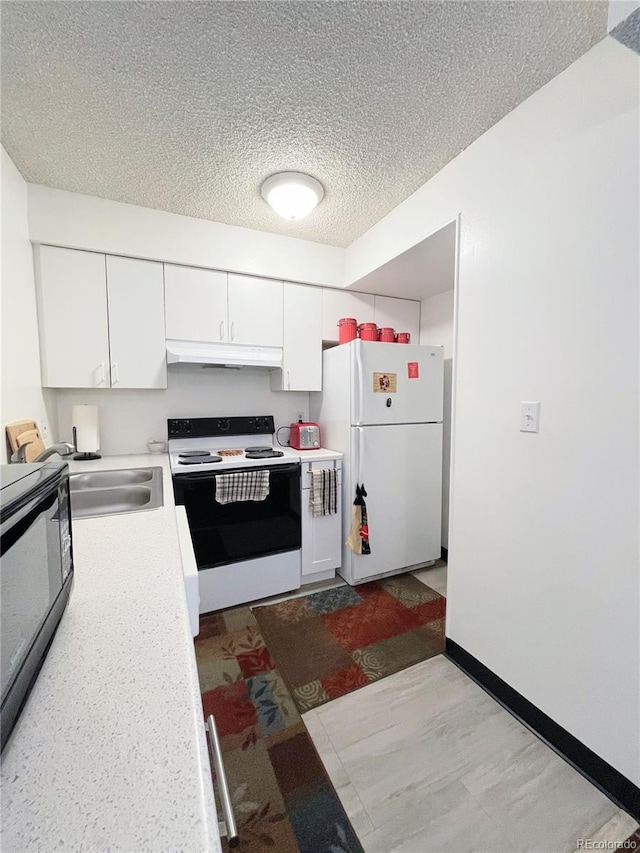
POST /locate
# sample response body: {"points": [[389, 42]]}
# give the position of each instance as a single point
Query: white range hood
{"points": [[222, 355]]}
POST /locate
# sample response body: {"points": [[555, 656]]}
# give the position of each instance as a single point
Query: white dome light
{"points": [[292, 194]]}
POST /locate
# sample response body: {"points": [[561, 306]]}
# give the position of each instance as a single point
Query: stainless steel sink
{"points": [[105, 479], [114, 492]]}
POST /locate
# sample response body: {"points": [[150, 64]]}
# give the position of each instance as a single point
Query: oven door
{"points": [[243, 530]]}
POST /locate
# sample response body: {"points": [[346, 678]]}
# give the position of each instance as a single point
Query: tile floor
{"points": [[424, 761], [435, 577]]}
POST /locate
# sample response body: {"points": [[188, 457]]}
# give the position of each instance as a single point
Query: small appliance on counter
{"points": [[86, 432], [36, 575], [304, 436]]}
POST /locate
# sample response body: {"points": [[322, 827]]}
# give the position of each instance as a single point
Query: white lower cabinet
{"points": [[322, 534], [189, 569]]}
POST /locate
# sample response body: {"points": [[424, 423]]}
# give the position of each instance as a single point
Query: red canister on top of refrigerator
{"points": [[403, 338], [368, 331], [347, 329], [387, 335]]}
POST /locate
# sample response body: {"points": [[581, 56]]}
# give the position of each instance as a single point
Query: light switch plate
{"points": [[530, 417]]}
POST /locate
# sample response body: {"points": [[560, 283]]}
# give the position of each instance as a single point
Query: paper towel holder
{"points": [[86, 431], [84, 457]]}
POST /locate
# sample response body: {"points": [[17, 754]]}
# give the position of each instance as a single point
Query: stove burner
{"points": [[188, 453], [265, 453], [258, 449], [199, 459]]}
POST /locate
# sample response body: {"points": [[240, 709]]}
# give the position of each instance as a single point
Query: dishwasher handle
{"points": [[221, 778]]}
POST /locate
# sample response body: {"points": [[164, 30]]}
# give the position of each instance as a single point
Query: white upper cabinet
{"points": [[101, 320], [255, 311], [338, 303], [403, 315], [302, 347], [136, 323], [196, 304], [72, 309]]}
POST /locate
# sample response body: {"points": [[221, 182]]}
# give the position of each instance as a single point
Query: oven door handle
{"points": [[200, 476]]}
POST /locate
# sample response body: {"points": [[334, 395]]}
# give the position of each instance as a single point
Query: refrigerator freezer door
{"points": [[396, 383], [401, 467]]}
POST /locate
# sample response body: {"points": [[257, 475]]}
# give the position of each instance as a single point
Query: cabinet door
{"points": [[255, 311], [321, 535], [195, 304], [403, 315], [343, 303], [72, 308], [136, 323], [302, 347]]}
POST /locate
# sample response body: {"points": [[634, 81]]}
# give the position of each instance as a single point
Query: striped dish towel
{"points": [[242, 486], [323, 493]]}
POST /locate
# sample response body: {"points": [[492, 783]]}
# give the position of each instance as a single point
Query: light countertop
{"points": [[109, 753], [322, 454]]}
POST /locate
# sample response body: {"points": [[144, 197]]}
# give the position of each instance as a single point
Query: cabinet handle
{"points": [[221, 778], [233, 330], [221, 330], [288, 380], [115, 376], [103, 375]]}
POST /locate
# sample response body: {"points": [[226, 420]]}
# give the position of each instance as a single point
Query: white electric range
{"points": [[246, 549]]}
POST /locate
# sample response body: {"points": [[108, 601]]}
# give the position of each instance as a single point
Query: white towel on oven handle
{"points": [[242, 486]]}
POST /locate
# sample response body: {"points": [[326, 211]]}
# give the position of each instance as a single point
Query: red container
{"points": [[387, 335], [347, 329], [403, 338], [368, 331]]}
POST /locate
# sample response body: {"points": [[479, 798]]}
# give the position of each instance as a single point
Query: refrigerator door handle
{"points": [[359, 454], [360, 393]]}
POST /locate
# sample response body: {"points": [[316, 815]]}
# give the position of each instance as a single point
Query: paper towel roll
{"points": [[87, 431]]}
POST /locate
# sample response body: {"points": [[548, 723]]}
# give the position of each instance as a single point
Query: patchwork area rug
{"points": [[281, 795], [333, 642]]}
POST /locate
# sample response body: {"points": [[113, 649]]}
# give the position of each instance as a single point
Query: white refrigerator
{"points": [[381, 406]]}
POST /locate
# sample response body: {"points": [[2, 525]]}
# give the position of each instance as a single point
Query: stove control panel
{"points": [[206, 427]]}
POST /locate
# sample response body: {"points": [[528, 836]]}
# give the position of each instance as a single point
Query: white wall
{"points": [[85, 222], [21, 395], [436, 327], [129, 418], [543, 539]]}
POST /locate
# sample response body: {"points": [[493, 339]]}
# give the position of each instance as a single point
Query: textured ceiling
{"points": [[188, 106]]}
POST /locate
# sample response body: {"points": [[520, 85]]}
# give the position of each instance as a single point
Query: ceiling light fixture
{"points": [[292, 194]]}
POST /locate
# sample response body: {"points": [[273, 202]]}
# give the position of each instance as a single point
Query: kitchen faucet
{"points": [[64, 449]]}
